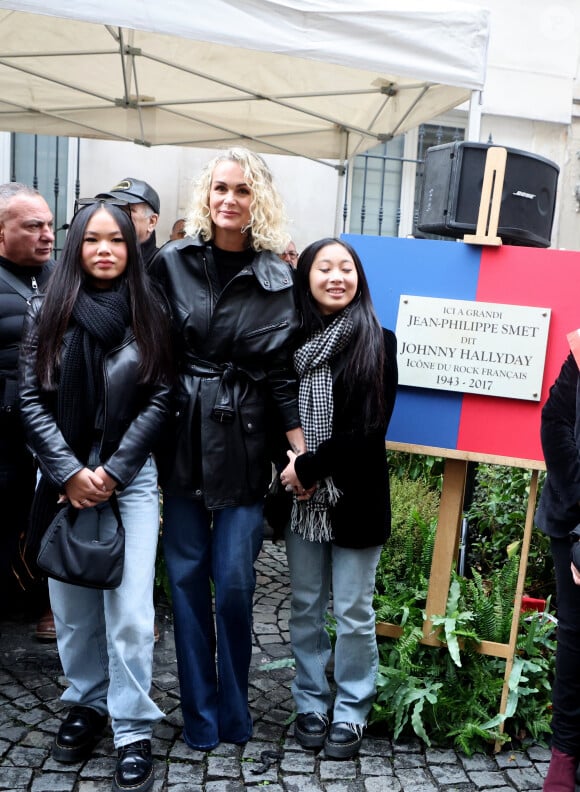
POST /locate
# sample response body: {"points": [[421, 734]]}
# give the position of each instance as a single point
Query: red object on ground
{"points": [[533, 604]]}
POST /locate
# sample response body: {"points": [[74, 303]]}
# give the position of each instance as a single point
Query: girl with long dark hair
{"points": [[94, 385], [347, 370]]}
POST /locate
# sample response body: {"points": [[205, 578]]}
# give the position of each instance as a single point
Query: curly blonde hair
{"points": [[267, 216]]}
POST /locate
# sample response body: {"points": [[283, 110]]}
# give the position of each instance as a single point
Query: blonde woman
{"points": [[234, 323]]}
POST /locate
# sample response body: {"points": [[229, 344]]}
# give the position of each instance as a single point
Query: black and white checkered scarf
{"points": [[311, 518]]}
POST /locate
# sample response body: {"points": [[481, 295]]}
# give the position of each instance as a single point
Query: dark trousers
{"points": [[17, 483], [566, 690]]}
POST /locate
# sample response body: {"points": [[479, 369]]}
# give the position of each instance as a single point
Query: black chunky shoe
{"points": [[310, 729], [78, 734], [134, 771], [344, 740]]}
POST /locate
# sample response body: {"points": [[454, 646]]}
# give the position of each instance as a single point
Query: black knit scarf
{"points": [[99, 322]]}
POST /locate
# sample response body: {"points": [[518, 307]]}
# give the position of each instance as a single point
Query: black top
{"points": [[228, 262]]}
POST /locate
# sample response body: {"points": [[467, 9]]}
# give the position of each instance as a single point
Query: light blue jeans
{"points": [[314, 567], [105, 638]]}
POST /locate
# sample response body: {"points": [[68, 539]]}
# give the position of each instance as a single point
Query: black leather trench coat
{"points": [[236, 387], [134, 414]]}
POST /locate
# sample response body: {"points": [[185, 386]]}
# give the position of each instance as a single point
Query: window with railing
{"points": [[41, 161], [375, 190]]}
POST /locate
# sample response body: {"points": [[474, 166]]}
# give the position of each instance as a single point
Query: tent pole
{"points": [[474, 117], [342, 186]]}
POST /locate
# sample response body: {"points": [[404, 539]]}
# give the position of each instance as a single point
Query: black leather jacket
{"points": [[13, 307], [235, 375], [134, 414]]}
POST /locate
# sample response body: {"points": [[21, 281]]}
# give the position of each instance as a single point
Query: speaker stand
{"points": [[489, 205]]}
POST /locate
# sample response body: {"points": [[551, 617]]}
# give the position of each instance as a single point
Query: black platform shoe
{"points": [[310, 729], [344, 740], [134, 771], [78, 734]]}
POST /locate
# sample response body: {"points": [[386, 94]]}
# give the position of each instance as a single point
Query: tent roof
{"points": [[319, 78]]}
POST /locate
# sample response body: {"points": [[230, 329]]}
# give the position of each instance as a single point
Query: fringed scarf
{"points": [[311, 518]]}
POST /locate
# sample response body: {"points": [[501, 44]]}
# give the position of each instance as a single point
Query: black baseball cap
{"points": [[133, 191]]}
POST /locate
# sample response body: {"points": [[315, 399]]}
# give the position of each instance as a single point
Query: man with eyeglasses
{"points": [[144, 205], [178, 230], [26, 243], [290, 255]]}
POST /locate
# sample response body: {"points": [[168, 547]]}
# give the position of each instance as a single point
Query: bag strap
{"points": [[24, 291], [115, 507], [114, 503]]}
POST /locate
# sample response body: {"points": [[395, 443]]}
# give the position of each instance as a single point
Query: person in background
{"points": [[558, 514], [234, 326], [26, 243], [347, 369], [178, 230], [145, 206], [94, 396], [290, 254]]}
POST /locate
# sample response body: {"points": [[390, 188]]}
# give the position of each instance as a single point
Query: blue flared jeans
{"points": [[202, 548], [105, 638], [314, 568]]}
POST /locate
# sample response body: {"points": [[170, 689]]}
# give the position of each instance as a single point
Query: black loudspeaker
{"points": [[452, 184]]}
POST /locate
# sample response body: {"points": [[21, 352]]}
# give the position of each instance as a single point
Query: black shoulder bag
{"points": [[91, 562]]}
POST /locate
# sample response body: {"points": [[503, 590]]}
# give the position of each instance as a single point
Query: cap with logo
{"points": [[133, 191]]}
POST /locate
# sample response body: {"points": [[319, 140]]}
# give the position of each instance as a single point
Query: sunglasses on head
{"points": [[80, 203]]}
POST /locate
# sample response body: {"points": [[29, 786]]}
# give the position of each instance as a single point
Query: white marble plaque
{"points": [[472, 347]]}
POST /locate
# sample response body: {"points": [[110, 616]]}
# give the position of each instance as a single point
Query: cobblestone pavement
{"points": [[31, 682]]}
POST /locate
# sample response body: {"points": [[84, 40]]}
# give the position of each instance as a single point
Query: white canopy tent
{"points": [[325, 79]]}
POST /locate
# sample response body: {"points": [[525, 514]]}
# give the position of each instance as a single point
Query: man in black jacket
{"points": [[26, 242]]}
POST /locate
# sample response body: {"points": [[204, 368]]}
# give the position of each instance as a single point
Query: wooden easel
{"points": [[490, 202], [446, 548]]}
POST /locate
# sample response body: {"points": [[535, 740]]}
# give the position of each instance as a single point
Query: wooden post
{"points": [[446, 543], [524, 552]]}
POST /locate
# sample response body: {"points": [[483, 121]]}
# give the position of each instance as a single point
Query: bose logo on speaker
{"points": [[522, 194]]}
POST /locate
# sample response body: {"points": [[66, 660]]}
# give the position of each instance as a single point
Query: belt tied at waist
{"points": [[230, 376]]}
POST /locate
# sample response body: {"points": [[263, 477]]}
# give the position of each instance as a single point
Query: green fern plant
{"points": [[455, 623], [402, 697], [492, 600], [450, 696]]}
